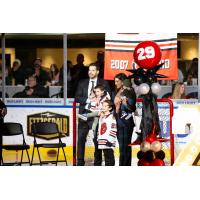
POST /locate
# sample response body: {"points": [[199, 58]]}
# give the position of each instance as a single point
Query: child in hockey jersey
{"points": [[107, 132], [95, 107]]}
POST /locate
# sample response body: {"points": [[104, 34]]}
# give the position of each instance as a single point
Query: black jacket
{"points": [[38, 92]]}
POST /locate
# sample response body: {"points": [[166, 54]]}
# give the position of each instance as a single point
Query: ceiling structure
{"points": [[74, 40], [80, 36]]}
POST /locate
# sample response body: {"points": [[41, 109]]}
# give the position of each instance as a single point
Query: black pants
{"points": [[124, 135], [109, 157], [83, 128]]}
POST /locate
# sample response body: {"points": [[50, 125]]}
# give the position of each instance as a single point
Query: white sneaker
{"points": [[84, 118], [91, 134]]}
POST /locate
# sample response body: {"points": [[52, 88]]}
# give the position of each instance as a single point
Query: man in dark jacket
{"points": [[83, 96], [33, 90], [78, 72]]}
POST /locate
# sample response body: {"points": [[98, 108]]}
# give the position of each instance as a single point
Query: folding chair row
{"points": [[46, 130]]}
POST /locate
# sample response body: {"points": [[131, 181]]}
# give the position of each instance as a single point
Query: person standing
{"points": [[125, 104], [3, 112], [100, 63], [18, 73], [107, 132], [84, 95], [96, 107], [78, 72]]}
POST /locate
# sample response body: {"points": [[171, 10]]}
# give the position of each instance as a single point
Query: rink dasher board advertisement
{"points": [[28, 111], [185, 122]]}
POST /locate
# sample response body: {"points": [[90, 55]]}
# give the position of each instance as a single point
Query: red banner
{"points": [[119, 50]]}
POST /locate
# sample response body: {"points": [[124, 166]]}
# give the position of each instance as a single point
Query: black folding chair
{"points": [[11, 129], [48, 130]]}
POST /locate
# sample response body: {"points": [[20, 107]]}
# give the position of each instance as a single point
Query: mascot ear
{"points": [[160, 76], [155, 69]]}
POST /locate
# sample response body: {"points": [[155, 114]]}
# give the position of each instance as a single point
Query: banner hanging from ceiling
{"points": [[119, 48]]}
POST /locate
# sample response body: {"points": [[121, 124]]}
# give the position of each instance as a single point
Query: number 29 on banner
{"points": [[147, 54]]}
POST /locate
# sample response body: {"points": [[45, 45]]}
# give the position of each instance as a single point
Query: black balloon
{"points": [[140, 155], [140, 72], [149, 156], [160, 155], [151, 78], [138, 80]]}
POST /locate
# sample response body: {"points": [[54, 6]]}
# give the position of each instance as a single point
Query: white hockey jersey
{"points": [[107, 132]]}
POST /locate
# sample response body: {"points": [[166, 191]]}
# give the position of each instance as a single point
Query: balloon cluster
{"points": [[147, 55], [151, 153], [147, 79]]}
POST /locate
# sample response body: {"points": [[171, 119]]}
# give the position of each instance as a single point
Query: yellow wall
{"points": [[10, 51], [189, 49], [50, 56], [90, 54], [53, 55]]}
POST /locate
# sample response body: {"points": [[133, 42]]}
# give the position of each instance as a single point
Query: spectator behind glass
{"points": [[54, 74], [79, 72], [18, 73], [100, 63], [8, 76], [33, 90], [179, 91], [193, 71], [38, 61], [41, 73], [69, 79], [180, 76]]}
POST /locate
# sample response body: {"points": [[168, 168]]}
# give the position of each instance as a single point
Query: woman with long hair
{"points": [[54, 74], [125, 100], [179, 91], [119, 78]]}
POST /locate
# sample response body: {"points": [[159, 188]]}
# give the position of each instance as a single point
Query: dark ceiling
{"points": [[74, 40], [78, 36]]}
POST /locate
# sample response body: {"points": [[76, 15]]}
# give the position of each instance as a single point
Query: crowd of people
{"points": [[52, 76], [106, 113]]}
